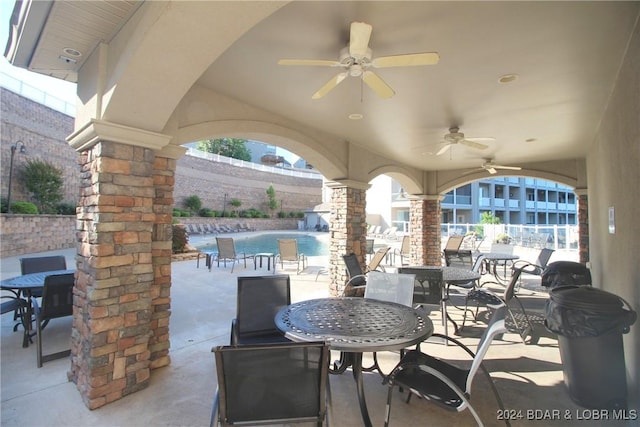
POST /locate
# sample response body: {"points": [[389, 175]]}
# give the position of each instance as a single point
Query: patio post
{"points": [[121, 301], [583, 225], [348, 228], [425, 233]]}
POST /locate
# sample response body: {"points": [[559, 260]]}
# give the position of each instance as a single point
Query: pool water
{"points": [[308, 244]]}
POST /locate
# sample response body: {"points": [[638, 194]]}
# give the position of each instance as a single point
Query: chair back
{"points": [[259, 299], [543, 257], [405, 248], [57, 296], [288, 249], [496, 327], [510, 290], [453, 243], [226, 248], [427, 284], [40, 264], [391, 287], [271, 384], [354, 268], [377, 258], [370, 243]]}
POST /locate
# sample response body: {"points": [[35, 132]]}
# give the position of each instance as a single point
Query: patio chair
{"points": [[392, 287], [288, 252], [38, 265], [272, 384], [227, 252], [452, 247], [57, 301], [519, 321], [14, 304], [403, 251], [259, 299], [440, 382], [537, 267], [427, 285], [370, 248], [357, 277]]}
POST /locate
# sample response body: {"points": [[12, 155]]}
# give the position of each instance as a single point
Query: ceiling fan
{"points": [[491, 167], [357, 58], [456, 137]]}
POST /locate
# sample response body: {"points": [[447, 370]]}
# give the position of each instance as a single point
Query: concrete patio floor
{"points": [[528, 377]]}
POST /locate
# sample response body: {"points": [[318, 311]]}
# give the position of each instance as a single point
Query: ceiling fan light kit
{"points": [[357, 58]]}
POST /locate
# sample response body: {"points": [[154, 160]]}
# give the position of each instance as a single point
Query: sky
{"points": [[55, 87]]}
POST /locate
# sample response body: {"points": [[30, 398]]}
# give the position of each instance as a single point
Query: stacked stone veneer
{"points": [[583, 228], [425, 233], [348, 228], [121, 297]]}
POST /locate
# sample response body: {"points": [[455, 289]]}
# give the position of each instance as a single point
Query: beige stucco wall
{"points": [[613, 175]]}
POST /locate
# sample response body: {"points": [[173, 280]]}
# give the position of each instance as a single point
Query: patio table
{"points": [[355, 325], [27, 284], [492, 259], [451, 276]]}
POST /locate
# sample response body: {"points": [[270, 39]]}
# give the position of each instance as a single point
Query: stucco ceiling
{"points": [[566, 56]]}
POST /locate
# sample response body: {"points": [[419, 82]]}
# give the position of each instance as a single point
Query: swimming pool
{"points": [[308, 244]]}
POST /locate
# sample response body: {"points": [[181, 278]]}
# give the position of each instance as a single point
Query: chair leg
{"points": [[39, 343]]}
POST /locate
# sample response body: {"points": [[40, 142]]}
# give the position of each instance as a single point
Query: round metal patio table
{"points": [[355, 325], [491, 260]]}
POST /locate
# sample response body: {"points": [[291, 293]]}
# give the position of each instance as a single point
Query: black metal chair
{"points": [[14, 304], [259, 299], [518, 321], [271, 384], [357, 276], [440, 382], [57, 301], [38, 265]]}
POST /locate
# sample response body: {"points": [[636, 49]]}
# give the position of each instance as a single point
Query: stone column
{"points": [[121, 295], [583, 226], [424, 217], [348, 228]]}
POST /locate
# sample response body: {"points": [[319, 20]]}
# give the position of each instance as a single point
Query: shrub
{"points": [[180, 238], [193, 203], [44, 182], [503, 238], [66, 209], [27, 208], [206, 212], [300, 215], [282, 214]]}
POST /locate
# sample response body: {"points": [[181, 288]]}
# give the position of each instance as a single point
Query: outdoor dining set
{"points": [[277, 364]]}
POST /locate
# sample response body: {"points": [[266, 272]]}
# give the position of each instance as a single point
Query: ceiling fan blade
{"points": [[443, 149], [335, 81], [408, 60], [359, 39], [511, 168], [312, 62], [377, 84], [473, 144]]}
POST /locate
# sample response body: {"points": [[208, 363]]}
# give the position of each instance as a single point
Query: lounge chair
{"points": [[191, 229], [288, 252], [227, 252]]}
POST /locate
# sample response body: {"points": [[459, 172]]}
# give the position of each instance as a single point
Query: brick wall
{"points": [[44, 132], [23, 234]]}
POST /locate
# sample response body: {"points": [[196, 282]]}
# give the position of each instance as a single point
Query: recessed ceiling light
{"points": [[508, 78], [355, 116], [72, 52]]}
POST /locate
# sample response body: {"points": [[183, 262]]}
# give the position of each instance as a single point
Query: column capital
{"points": [[438, 197], [581, 191], [98, 130], [348, 183]]}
